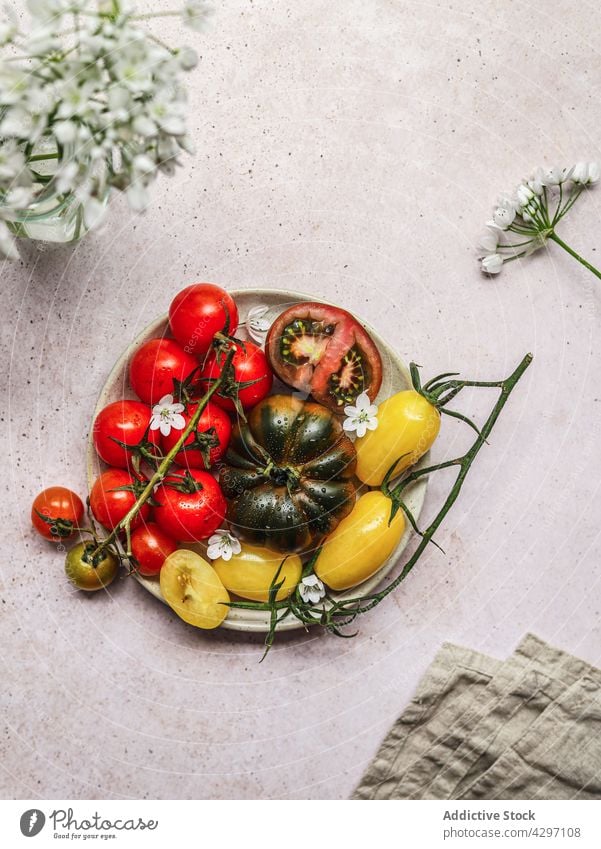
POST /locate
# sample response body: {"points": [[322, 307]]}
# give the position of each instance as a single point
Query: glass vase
{"points": [[53, 217]]}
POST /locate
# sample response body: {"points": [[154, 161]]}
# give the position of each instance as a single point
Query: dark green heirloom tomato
{"points": [[288, 474]]}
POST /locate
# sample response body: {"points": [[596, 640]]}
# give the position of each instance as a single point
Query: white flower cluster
{"points": [[532, 212], [107, 94]]}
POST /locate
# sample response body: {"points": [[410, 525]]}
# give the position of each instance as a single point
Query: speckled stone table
{"points": [[351, 150]]}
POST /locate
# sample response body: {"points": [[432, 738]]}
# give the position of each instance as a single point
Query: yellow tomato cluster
{"points": [[408, 424], [362, 542]]}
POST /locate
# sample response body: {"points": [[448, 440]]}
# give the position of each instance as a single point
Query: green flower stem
{"points": [[41, 156], [554, 237], [148, 16], [570, 202], [166, 462]]}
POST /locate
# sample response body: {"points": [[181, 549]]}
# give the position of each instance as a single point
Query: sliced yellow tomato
{"points": [[192, 588], [361, 543], [250, 573], [408, 424]]}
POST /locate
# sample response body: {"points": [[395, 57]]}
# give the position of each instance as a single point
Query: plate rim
{"points": [[239, 619]]}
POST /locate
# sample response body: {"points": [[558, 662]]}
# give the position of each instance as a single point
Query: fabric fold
{"points": [[478, 728]]}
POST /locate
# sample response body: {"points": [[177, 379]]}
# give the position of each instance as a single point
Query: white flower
{"points": [[143, 164], [504, 216], [7, 242], [144, 126], [196, 14], [138, 196], [14, 84], [256, 323], [311, 589], [75, 99], [488, 241], [19, 198], [66, 177], [362, 416], [115, 102], [65, 132], [555, 176], [188, 58], [536, 186], [223, 544], [594, 172], [585, 172], [94, 211], [167, 415], [48, 10], [186, 143], [9, 26], [168, 115], [508, 201], [524, 194], [539, 204], [21, 123], [492, 264], [12, 163]]}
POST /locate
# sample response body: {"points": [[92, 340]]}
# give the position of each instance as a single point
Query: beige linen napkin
{"points": [[559, 757], [456, 739], [548, 673], [450, 684]]}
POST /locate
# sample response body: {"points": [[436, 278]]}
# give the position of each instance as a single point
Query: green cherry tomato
{"points": [[87, 572]]}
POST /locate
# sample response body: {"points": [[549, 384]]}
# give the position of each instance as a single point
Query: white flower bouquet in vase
{"points": [[90, 102]]}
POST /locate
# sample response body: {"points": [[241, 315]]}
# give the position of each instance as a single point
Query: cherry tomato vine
{"points": [[124, 526]]}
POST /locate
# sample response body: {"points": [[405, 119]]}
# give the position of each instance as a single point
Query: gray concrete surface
{"points": [[351, 150]]}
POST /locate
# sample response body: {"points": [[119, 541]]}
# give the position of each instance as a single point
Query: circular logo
{"points": [[32, 822]]}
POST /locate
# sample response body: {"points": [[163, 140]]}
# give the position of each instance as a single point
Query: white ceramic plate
{"points": [[395, 377]]}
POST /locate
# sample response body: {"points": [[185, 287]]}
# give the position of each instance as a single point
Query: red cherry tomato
{"points": [[150, 546], [253, 376], [110, 502], [55, 513], [125, 421], [154, 367], [194, 510], [200, 311], [209, 440]]}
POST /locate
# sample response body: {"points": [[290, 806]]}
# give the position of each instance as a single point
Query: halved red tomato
{"points": [[324, 351]]}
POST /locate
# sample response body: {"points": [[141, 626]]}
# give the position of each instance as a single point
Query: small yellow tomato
{"points": [[408, 424], [361, 543], [192, 588], [250, 573]]}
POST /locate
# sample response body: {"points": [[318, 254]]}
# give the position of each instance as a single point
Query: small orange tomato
{"points": [[56, 512]]}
